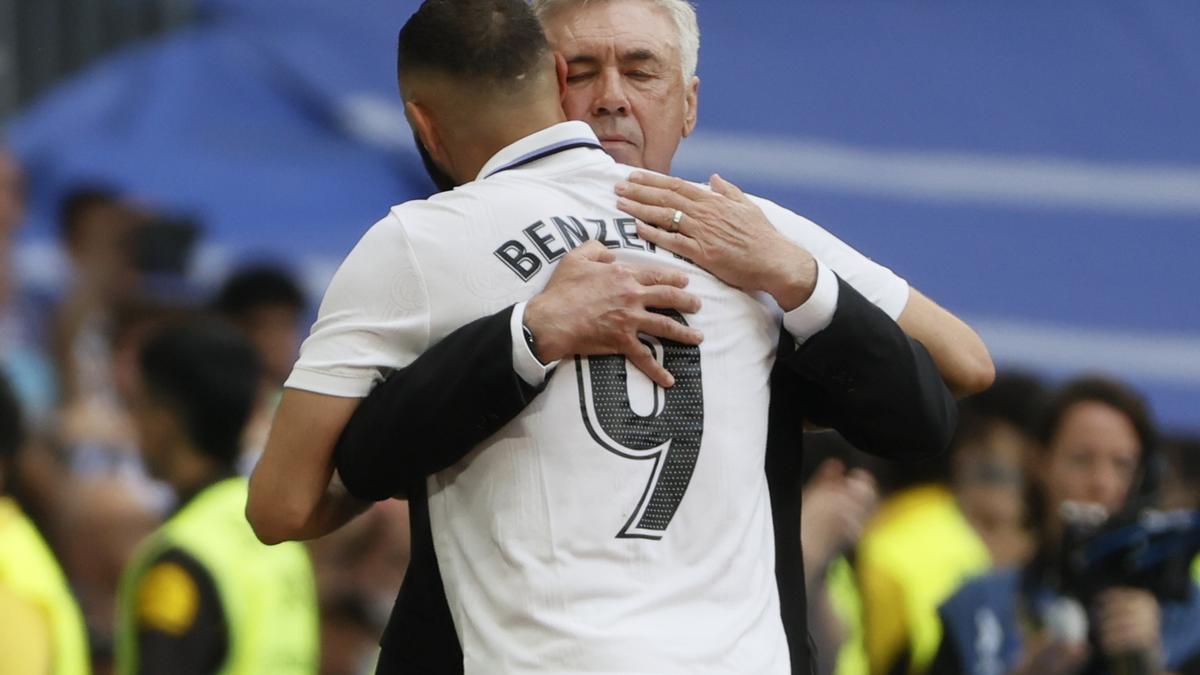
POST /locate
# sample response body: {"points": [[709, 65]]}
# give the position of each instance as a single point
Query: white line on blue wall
{"points": [[926, 175], [1166, 358], [912, 174]]}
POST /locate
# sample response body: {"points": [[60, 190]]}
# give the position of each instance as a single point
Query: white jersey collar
{"points": [[548, 141]]}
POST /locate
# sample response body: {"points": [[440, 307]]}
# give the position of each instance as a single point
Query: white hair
{"points": [[682, 14]]}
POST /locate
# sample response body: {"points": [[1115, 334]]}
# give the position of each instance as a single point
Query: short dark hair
{"points": [[493, 41], [77, 202], [208, 374], [256, 287]]}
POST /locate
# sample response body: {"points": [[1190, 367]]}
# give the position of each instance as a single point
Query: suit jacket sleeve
{"points": [[429, 415], [866, 378]]}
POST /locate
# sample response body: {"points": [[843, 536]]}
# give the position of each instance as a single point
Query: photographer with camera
{"points": [[1099, 596]]}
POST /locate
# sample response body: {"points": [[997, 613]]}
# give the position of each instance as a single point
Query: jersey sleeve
{"points": [[374, 318], [875, 282]]}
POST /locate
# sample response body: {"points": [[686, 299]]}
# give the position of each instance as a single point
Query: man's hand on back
{"points": [[594, 306], [721, 231]]}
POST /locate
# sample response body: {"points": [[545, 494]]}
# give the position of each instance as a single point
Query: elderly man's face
{"points": [[625, 79]]}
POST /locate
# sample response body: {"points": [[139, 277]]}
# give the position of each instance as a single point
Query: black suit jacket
{"points": [[861, 376]]}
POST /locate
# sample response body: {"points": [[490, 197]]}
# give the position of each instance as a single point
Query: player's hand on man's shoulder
{"points": [[722, 231], [595, 306]]}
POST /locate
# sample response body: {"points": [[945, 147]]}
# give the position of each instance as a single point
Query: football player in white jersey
{"points": [[568, 542]]}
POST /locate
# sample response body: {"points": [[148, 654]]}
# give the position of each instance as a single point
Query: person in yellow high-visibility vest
{"points": [[202, 594], [41, 627]]}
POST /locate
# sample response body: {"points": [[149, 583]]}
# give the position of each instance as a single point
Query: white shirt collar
{"points": [[547, 140]]}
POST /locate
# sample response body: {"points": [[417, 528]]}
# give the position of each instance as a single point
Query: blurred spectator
{"points": [[41, 628], [203, 595], [117, 291], [106, 503], [1098, 449], [267, 304], [995, 445], [97, 230]]}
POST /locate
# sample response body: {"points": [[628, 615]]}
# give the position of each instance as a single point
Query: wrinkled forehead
{"points": [[613, 30]]}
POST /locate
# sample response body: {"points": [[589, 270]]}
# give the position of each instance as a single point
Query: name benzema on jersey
{"points": [[550, 240]]}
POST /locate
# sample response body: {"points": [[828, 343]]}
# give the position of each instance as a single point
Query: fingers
{"points": [[658, 276], [672, 241], [669, 183], [725, 188], [659, 216], [594, 251], [666, 328], [669, 297], [643, 360], [653, 196]]}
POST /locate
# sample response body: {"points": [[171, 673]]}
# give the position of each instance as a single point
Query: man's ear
{"points": [[560, 68], [427, 132], [691, 103]]}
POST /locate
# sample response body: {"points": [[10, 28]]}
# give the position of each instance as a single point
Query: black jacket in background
{"points": [[861, 376]]}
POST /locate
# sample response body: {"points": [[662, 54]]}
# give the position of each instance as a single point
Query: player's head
{"points": [[199, 382], [266, 303], [1097, 438], [475, 75], [631, 72]]}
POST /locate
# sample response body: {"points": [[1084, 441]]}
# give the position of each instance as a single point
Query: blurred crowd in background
{"points": [[885, 544], [72, 362]]}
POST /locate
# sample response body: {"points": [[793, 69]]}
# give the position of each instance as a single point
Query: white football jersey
{"points": [[613, 526]]}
